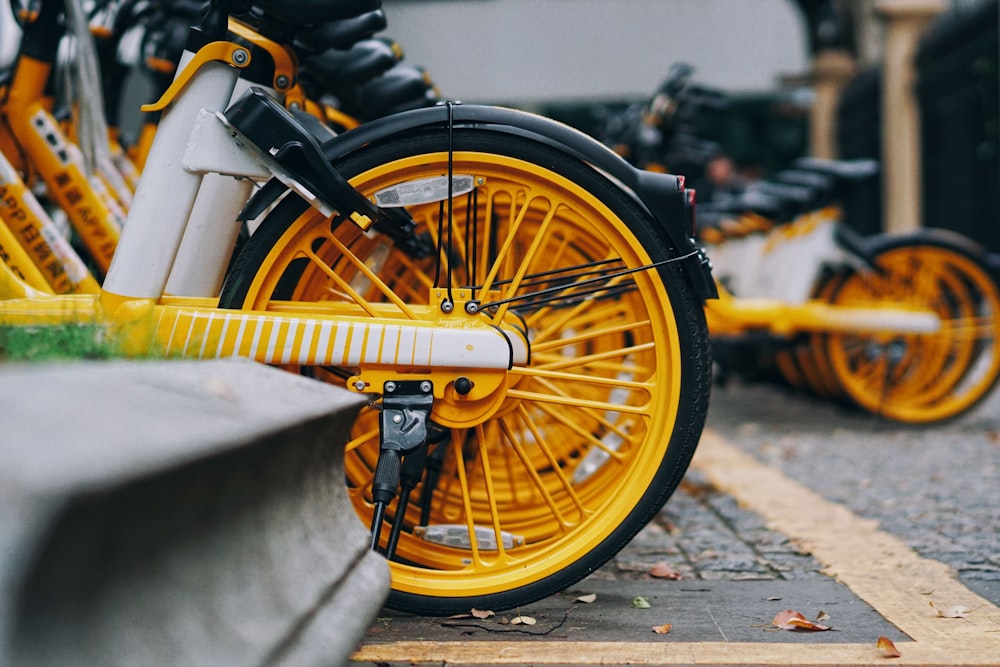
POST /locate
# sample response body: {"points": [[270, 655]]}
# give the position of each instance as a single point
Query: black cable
{"points": [[451, 187], [591, 281]]}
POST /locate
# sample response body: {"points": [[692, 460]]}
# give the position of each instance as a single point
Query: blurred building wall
{"points": [[529, 52]]}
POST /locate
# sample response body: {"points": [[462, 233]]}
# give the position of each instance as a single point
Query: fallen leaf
{"points": [[483, 613], [504, 620], [587, 599], [954, 611], [822, 616], [662, 629], [460, 616], [887, 648], [773, 598], [789, 619], [522, 620], [663, 571], [640, 602]]}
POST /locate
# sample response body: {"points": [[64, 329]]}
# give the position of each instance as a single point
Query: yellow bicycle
{"points": [[522, 306]]}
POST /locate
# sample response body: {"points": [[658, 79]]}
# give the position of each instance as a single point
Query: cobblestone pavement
{"points": [[936, 487], [704, 535]]}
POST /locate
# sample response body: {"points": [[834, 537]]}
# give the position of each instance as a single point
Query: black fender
{"points": [[662, 195], [944, 238]]}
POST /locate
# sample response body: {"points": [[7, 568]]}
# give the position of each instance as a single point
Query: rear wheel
{"points": [[926, 377], [586, 441]]}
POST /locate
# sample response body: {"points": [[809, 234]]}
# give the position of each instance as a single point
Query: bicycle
{"points": [[902, 374], [522, 305], [902, 326], [160, 40]]}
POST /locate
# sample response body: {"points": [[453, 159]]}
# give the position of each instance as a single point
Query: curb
{"points": [[178, 513]]}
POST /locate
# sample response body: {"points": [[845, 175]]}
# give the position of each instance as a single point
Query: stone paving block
{"points": [[184, 513]]}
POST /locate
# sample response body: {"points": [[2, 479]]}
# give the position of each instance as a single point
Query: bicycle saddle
{"points": [[362, 62], [751, 201], [845, 170], [794, 199], [399, 89], [312, 12], [812, 179], [341, 33]]}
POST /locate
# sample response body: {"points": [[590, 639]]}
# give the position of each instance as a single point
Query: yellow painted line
{"points": [[877, 567], [664, 652]]}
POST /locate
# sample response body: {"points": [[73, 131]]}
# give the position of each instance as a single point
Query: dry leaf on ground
{"points": [[483, 613], [789, 619], [663, 571], [640, 602], [887, 648], [662, 629], [523, 620], [954, 611], [586, 599]]}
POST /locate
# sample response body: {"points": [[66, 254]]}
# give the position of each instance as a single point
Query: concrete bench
{"points": [[187, 513]]}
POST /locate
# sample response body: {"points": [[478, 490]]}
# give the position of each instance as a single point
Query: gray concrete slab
{"points": [[187, 513]]}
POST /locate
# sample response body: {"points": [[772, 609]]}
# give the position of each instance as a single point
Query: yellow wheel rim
{"points": [[928, 377], [584, 427]]}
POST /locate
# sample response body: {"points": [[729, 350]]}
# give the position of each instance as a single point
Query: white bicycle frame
{"points": [[166, 241], [772, 276]]}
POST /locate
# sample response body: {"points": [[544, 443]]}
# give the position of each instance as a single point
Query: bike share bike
{"points": [[902, 325], [524, 308]]}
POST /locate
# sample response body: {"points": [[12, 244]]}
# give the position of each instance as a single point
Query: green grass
{"points": [[54, 343]]}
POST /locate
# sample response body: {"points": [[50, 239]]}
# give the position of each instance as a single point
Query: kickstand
{"points": [[406, 405]]}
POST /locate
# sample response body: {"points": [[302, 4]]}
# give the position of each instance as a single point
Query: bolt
{"points": [[397, 418], [240, 56], [281, 82], [480, 180], [463, 385], [390, 387], [426, 387], [471, 307], [359, 385], [447, 306]]}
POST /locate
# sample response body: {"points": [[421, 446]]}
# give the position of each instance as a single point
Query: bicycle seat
{"points": [[844, 170], [794, 199], [313, 12], [751, 201], [362, 62], [399, 89], [812, 179], [342, 33]]}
